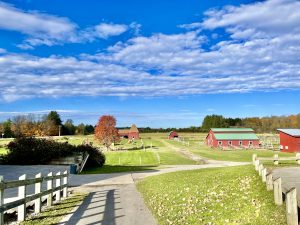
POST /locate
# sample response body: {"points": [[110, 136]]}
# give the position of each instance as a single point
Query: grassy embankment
{"points": [[233, 195]]}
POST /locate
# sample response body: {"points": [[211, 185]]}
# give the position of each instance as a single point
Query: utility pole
{"points": [[59, 130]]}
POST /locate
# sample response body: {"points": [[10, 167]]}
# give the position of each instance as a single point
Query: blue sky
{"points": [[153, 63]]}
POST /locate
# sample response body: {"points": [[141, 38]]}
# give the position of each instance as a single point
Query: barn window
{"points": [[250, 142], [220, 143], [240, 143], [229, 142], [286, 147]]}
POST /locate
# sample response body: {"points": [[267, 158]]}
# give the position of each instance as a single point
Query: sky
{"points": [[154, 63]]}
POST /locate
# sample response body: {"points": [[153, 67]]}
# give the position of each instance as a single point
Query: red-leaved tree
{"points": [[106, 131]]}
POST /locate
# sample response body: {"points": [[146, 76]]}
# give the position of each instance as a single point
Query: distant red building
{"points": [[232, 137], [289, 140], [173, 134], [132, 133]]}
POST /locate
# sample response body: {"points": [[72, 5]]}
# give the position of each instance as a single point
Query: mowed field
{"points": [[232, 195], [154, 149]]}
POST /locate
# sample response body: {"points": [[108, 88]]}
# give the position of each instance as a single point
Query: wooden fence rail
{"points": [[276, 186], [276, 158], [23, 199]]}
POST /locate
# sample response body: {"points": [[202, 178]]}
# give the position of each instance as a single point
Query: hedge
{"points": [[38, 151]]}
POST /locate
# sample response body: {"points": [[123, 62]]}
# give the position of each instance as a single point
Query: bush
{"points": [[33, 151], [96, 158]]}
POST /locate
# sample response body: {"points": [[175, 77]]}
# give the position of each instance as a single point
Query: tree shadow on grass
{"points": [[117, 169]]}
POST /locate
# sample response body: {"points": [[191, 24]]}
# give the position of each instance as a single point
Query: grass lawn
{"points": [[154, 155], [233, 195], [117, 169], [3, 151], [282, 163], [55, 214]]}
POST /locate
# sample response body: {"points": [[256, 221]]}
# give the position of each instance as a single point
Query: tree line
{"points": [[259, 124], [48, 125]]}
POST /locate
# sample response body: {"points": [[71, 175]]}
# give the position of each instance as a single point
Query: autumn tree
{"points": [[106, 131]]}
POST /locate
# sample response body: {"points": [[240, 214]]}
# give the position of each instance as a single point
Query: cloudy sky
{"points": [[155, 63]]}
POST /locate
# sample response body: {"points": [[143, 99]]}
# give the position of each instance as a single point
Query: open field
{"points": [[232, 195], [155, 154], [154, 149]]}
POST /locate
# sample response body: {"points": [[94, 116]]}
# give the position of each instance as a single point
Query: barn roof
{"points": [[292, 132], [123, 131], [236, 136], [133, 129], [232, 129]]}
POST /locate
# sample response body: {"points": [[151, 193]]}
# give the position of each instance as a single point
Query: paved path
{"points": [[290, 177]]}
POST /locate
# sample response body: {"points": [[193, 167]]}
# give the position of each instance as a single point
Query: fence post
{"points": [[291, 207], [37, 190], [298, 158], [65, 182], [256, 164], [276, 159], [264, 174], [49, 187], [21, 195], [269, 182], [260, 168], [254, 157], [1, 201], [278, 191], [57, 194]]}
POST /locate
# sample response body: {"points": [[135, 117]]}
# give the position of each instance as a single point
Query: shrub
{"points": [[33, 151], [96, 158]]}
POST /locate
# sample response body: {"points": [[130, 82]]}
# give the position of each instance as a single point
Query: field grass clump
{"points": [[232, 195]]}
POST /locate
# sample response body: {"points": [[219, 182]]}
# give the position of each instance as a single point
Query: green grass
{"points": [[55, 214], [282, 163], [117, 169], [138, 160], [233, 195], [3, 151], [131, 158]]}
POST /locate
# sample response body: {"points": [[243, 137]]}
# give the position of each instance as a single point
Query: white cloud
{"points": [[259, 20], [106, 30], [264, 59], [45, 29]]}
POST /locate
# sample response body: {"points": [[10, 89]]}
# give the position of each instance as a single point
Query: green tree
{"points": [[212, 121], [69, 128], [55, 117]]}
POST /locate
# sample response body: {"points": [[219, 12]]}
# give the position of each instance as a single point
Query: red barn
{"points": [[232, 137], [173, 134], [132, 133], [289, 140]]}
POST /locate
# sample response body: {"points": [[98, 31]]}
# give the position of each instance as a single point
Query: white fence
{"points": [[61, 184], [276, 186]]}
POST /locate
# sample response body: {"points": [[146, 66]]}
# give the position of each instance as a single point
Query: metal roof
{"points": [[236, 136], [232, 130], [292, 132]]}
